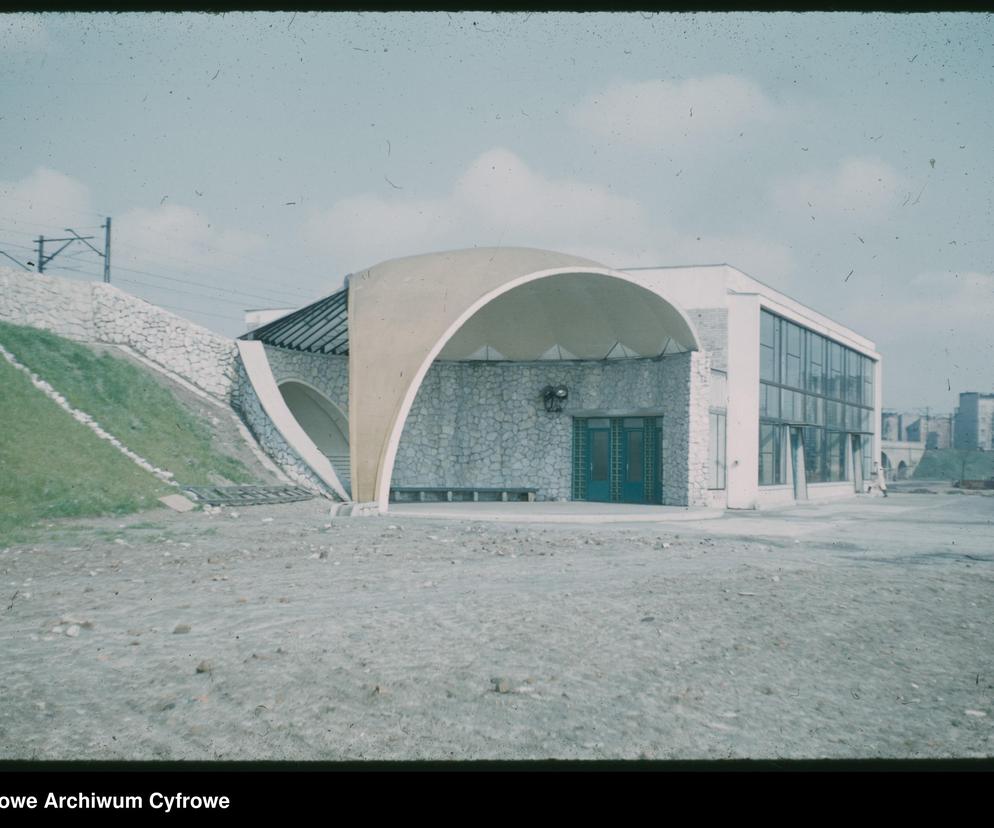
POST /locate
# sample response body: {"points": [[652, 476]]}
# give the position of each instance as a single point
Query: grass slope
{"points": [[128, 403], [52, 466], [947, 464]]}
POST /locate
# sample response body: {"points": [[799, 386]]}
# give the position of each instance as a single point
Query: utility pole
{"points": [[107, 251], [44, 260], [105, 255]]}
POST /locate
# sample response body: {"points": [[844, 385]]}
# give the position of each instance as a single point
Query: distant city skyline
{"points": [[252, 160]]}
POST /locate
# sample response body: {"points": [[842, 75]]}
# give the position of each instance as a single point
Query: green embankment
{"points": [[52, 466], [948, 464]]}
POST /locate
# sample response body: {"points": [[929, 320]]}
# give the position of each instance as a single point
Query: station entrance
{"points": [[618, 459]]}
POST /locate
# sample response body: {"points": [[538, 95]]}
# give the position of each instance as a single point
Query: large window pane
{"points": [[834, 414], [854, 377], [869, 367], [769, 401], [716, 452], [836, 455], [792, 373], [768, 356], [836, 370], [766, 322], [772, 468], [816, 364], [814, 454]]}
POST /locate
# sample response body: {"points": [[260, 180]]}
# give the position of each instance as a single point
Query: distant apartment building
{"points": [[933, 431], [892, 426], [974, 422]]}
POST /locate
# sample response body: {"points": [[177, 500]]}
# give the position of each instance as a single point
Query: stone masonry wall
{"points": [[484, 424], [475, 423], [712, 326], [205, 358], [698, 429], [98, 312], [246, 402], [328, 374], [52, 304]]}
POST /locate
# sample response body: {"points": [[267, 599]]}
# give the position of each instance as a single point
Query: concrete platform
{"points": [[550, 512]]}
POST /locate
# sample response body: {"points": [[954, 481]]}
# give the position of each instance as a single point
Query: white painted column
{"points": [[742, 458]]}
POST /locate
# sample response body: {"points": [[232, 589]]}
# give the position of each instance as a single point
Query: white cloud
{"points": [[44, 199], [670, 113], [935, 306], [22, 33], [859, 187], [173, 234], [497, 200], [500, 200], [934, 335], [167, 239]]}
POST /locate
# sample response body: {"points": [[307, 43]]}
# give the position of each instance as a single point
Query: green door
{"points": [[622, 462], [599, 451], [633, 460]]}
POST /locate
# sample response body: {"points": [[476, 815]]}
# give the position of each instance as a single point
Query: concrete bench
{"points": [[421, 494]]}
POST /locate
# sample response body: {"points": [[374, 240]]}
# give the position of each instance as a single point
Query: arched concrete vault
{"points": [[322, 420], [519, 303]]}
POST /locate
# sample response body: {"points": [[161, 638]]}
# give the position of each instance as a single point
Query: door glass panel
{"points": [[634, 474], [598, 455]]}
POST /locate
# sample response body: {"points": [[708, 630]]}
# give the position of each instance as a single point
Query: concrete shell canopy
{"points": [[403, 313]]}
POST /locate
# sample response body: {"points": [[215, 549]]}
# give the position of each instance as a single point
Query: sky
{"points": [[251, 160]]}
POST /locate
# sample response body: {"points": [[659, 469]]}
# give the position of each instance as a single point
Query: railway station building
{"points": [[516, 373]]}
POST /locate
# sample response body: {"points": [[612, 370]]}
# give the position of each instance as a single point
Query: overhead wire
{"points": [[165, 233], [291, 296], [179, 290], [222, 289], [197, 284]]}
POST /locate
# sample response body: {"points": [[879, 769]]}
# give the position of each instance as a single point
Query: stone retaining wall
{"points": [[50, 303], [98, 312]]}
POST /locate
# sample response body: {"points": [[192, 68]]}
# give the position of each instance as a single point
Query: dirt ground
{"points": [[860, 629]]}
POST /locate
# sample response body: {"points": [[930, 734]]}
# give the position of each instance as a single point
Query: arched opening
{"points": [[323, 421], [902, 470], [474, 418], [886, 466]]}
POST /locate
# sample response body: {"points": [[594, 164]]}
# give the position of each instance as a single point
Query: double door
{"points": [[623, 460]]}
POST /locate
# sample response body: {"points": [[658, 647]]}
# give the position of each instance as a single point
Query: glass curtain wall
{"points": [[816, 384]]}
